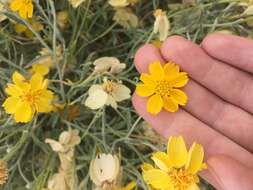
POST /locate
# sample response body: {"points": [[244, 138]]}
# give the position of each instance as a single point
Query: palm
{"points": [[219, 111]]}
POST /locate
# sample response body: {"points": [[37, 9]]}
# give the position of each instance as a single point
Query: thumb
{"points": [[230, 174]]}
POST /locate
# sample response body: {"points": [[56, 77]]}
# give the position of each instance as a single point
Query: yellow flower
{"points": [[176, 169], [3, 172], [76, 3], [42, 69], [108, 64], [104, 171], [108, 93], [27, 97], [21, 28], [161, 86], [24, 7], [161, 25], [126, 18]]}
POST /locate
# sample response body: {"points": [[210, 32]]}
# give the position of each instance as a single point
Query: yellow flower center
{"points": [[181, 179], [163, 88], [31, 96], [109, 86]]}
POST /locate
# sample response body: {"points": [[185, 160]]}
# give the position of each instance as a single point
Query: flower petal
{"points": [[94, 88], [111, 102], [23, 11], [13, 90], [36, 82], [179, 80], [162, 161], [169, 104], [96, 99], [154, 104], [145, 90], [17, 78], [41, 69], [157, 178], [10, 104], [156, 70], [147, 79], [171, 68], [179, 96], [121, 92], [177, 151], [30, 10], [24, 113], [15, 5], [146, 167], [195, 158]]}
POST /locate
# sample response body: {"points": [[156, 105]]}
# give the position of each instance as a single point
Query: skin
{"points": [[219, 111]]}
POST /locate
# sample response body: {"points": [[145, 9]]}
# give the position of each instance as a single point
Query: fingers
{"points": [[206, 106], [182, 123], [146, 55], [239, 176], [230, 49], [220, 115], [225, 81]]}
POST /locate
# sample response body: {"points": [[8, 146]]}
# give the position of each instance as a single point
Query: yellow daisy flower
{"points": [[27, 97], [176, 169], [161, 85], [24, 7], [3, 172]]}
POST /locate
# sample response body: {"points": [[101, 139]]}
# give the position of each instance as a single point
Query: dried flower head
{"points": [[35, 24], [161, 86], [162, 24], [26, 97], [176, 169], [3, 172], [126, 18], [63, 18], [104, 171], [108, 64], [108, 93], [24, 7], [65, 146]]}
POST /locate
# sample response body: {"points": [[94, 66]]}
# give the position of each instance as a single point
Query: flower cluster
{"points": [[49, 97]]}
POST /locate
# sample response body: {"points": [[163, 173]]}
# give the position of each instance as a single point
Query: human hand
{"points": [[219, 111]]}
